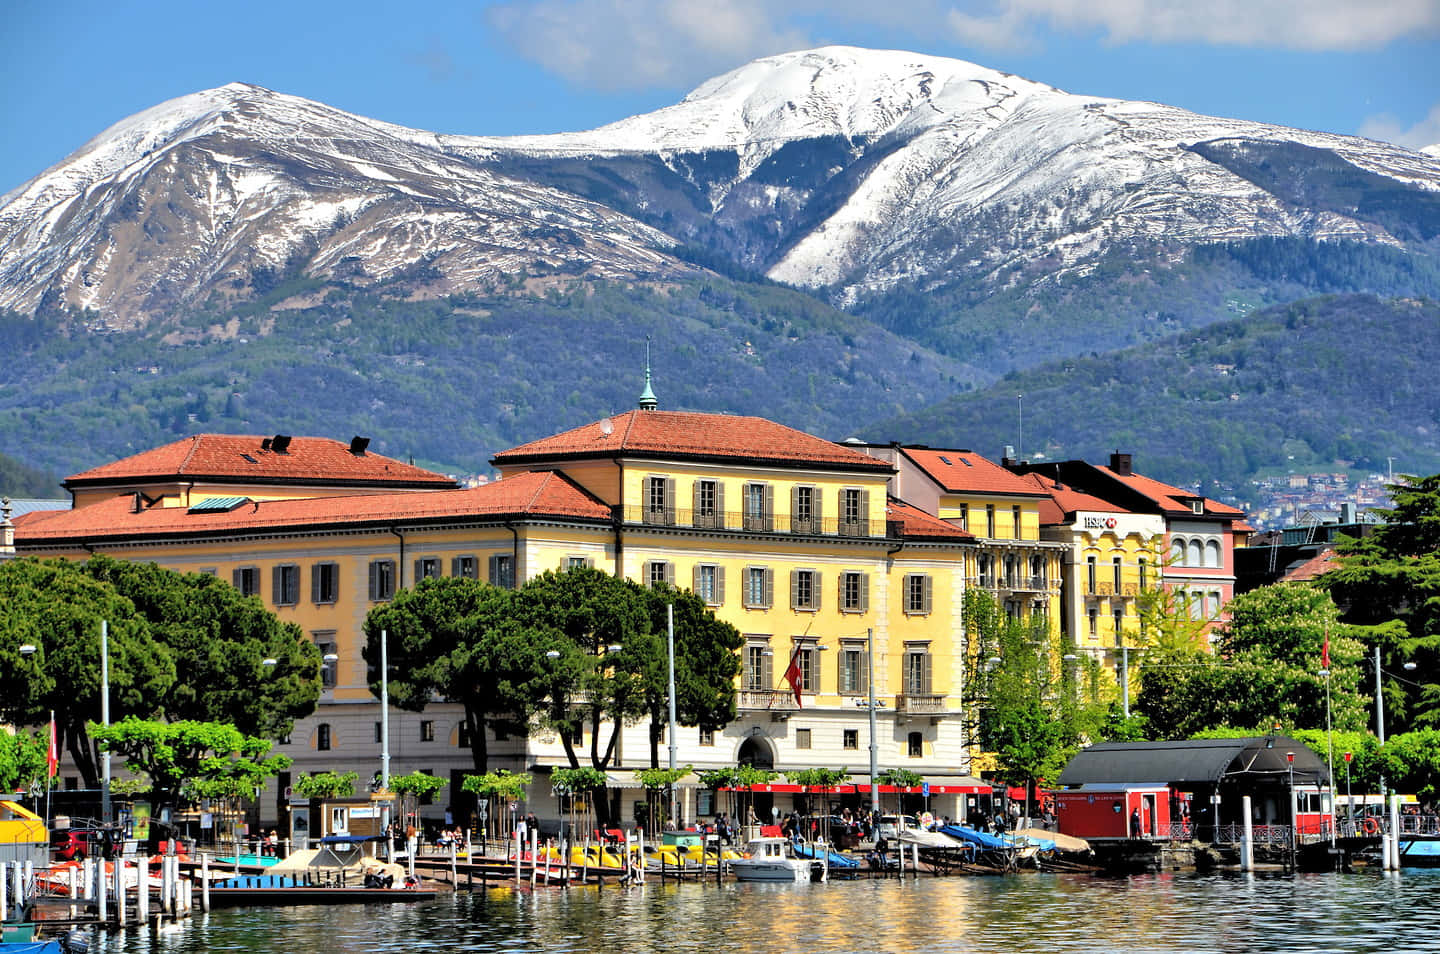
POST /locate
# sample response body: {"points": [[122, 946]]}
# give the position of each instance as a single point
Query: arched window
{"points": [[1177, 551], [1194, 555], [1212, 553]]}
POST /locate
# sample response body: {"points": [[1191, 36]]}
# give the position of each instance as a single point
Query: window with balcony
{"points": [[805, 589], [325, 583], [805, 509], [246, 580], [709, 583], [985, 570], [1012, 571], [465, 567], [709, 504], [917, 672], [854, 512], [382, 580], [758, 659], [759, 587], [854, 592], [1037, 572], [660, 500], [759, 507], [807, 658], [917, 594], [286, 589]]}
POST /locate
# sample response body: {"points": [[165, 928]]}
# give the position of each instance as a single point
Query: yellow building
{"points": [[791, 538]]}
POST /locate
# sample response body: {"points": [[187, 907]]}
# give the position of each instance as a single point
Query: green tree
{"points": [[659, 785], [23, 759], [460, 640], [203, 757], [1389, 583], [219, 641], [707, 660], [496, 787], [57, 607], [414, 789], [326, 785]]}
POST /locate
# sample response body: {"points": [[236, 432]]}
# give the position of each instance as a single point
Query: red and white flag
{"points": [[1325, 650], [52, 757], [793, 675]]}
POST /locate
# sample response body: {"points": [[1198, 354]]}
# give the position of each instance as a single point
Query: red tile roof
{"points": [[1062, 502], [242, 458], [1321, 563], [962, 471], [915, 522], [691, 436], [1172, 500], [538, 493]]}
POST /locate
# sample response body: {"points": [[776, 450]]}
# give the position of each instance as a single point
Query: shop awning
{"points": [[630, 778]]}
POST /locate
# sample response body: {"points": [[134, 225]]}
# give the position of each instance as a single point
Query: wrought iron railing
{"points": [[753, 523]]}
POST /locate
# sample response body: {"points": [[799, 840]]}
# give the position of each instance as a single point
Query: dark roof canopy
{"points": [[1206, 761]]}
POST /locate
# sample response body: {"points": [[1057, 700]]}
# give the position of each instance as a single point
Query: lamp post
{"points": [[1349, 801], [874, 751], [384, 712], [1329, 752], [1290, 759], [106, 814], [670, 694], [1380, 713]]}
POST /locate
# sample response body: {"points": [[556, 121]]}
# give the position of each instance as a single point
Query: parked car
{"points": [[77, 844]]}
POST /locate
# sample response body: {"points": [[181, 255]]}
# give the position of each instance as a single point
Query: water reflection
{"points": [[978, 915]]}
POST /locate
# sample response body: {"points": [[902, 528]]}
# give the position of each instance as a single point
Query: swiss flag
{"points": [[52, 757], [1325, 651], [793, 675]]}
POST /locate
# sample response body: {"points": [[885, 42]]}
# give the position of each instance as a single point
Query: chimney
{"points": [[1120, 463], [135, 507], [7, 528], [265, 443], [1007, 457], [358, 445], [281, 443], [1347, 512]]}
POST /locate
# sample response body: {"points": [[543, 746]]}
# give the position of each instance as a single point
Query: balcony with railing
{"points": [[920, 703], [753, 522], [767, 700]]}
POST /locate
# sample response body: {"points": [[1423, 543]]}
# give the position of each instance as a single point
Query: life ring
{"points": [[1372, 827]]}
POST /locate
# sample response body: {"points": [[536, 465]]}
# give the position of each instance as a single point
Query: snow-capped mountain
{"points": [[853, 171]]}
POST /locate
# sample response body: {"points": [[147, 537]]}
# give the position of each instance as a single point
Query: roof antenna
{"points": [[648, 401]]}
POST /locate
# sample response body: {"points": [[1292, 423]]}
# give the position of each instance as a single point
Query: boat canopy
{"points": [[1195, 761]]}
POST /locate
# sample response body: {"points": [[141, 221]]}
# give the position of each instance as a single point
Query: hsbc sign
{"points": [[1099, 523]]}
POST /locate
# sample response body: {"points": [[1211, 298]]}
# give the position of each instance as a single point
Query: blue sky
{"points": [[74, 67]]}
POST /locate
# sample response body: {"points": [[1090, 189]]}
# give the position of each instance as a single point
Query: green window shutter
{"points": [[795, 509], [719, 585], [237, 579], [695, 502], [864, 513], [374, 582], [926, 579], [719, 504], [768, 597], [419, 571], [817, 511], [277, 586], [925, 674], [864, 592], [769, 521], [695, 579], [864, 671], [794, 589], [768, 664], [670, 501], [315, 572], [815, 589]]}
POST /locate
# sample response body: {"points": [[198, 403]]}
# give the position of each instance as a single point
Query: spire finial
{"points": [[648, 401]]}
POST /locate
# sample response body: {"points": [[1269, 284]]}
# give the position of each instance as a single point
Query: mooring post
{"points": [[1247, 837]]}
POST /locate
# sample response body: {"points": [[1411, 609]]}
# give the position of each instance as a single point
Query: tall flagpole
{"points": [[50, 768]]}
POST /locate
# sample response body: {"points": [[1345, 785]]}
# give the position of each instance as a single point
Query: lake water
{"points": [[1053, 913]]}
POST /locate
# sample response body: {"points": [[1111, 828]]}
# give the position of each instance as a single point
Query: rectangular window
{"points": [[709, 583], [247, 580], [709, 504], [465, 567], [1116, 572], [325, 642], [759, 507], [578, 562], [427, 730], [917, 593], [851, 739], [206, 571], [427, 568], [805, 589], [1094, 616], [1037, 572], [1091, 573], [658, 572], [985, 569], [382, 580], [707, 735], [379, 732], [852, 671], [1015, 522], [462, 733], [806, 658], [286, 590], [502, 570], [322, 737], [758, 660], [915, 745], [802, 738], [854, 592], [660, 500], [1119, 618], [854, 512], [805, 510], [759, 587], [1143, 571], [917, 672], [990, 521], [325, 583]]}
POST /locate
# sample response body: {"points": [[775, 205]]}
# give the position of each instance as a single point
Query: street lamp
{"points": [[1349, 800], [106, 814], [874, 751], [670, 695], [1380, 712], [1290, 759]]}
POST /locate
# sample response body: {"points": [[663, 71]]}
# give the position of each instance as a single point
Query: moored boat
{"points": [[774, 859]]}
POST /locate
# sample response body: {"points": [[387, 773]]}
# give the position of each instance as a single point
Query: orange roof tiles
{"points": [[1171, 499], [1321, 563], [538, 493], [915, 522], [695, 436], [1063, 502], [962, 471], [242, 458]]}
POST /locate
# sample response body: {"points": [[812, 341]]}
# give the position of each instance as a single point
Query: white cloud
{"points": [[1385, 126], [641, 43]]}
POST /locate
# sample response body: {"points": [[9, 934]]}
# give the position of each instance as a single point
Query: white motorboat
{"points": [[773, 859]]}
